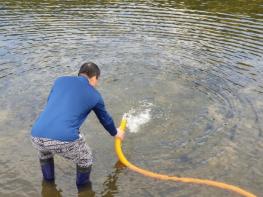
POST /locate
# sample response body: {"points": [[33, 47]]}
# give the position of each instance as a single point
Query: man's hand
{"points": [[120, 134]]}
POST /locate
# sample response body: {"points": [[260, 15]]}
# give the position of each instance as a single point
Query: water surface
{"points": [[195, 66]]}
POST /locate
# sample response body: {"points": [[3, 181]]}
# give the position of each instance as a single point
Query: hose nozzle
{"points": [[123, 122]]}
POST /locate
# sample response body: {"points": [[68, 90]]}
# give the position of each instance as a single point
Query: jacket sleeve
{"points": [[50, 93], [104, 118]]}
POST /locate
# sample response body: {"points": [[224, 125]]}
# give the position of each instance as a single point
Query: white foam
{"points": [[138, 116]]}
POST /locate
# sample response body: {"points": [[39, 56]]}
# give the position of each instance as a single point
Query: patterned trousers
{"points": [[77, 151]]}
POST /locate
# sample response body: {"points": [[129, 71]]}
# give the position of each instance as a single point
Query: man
{"points": [[56, 131]]}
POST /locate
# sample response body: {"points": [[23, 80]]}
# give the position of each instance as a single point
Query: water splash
{"points": [[136, 117]]}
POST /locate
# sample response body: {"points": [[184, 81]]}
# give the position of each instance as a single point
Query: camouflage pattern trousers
{"points": [[77, 151]]}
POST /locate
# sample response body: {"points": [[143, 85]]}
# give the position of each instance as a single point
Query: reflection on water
{"points": [[86, 191], [50, 189], [198, 63], [110, 184]]}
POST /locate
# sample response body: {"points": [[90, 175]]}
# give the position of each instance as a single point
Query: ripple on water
{"points": [[199, 69]]}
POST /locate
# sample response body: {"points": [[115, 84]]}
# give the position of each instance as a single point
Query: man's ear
{"points": [[94, 78], [93, 81]]}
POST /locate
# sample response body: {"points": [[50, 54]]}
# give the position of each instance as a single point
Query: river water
{"points": [[189, 72]]}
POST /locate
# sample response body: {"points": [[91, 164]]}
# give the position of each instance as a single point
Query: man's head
{"points": [[91, 71]]}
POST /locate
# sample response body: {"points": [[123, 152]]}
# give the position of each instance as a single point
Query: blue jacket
{"points": [[69, 103]]}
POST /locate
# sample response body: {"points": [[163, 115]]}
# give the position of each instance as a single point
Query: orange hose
{"points": [[221, 185]]}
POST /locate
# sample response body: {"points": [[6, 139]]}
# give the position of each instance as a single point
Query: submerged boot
{"points": [[47, 167], [83, 176]]}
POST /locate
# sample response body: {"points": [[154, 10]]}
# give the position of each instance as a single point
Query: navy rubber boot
{"points": [[47, 167], [83, 177]]}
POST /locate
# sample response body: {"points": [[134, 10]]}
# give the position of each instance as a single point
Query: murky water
{"points": [[197, 65]]}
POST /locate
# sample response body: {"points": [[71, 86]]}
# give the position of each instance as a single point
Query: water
{"points": [[198, 65], [137, 117]]}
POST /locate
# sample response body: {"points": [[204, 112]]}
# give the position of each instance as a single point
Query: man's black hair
{"points": [[90, 69]]}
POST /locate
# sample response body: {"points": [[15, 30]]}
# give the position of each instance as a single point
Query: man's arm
{"points": [[104, 118]]}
